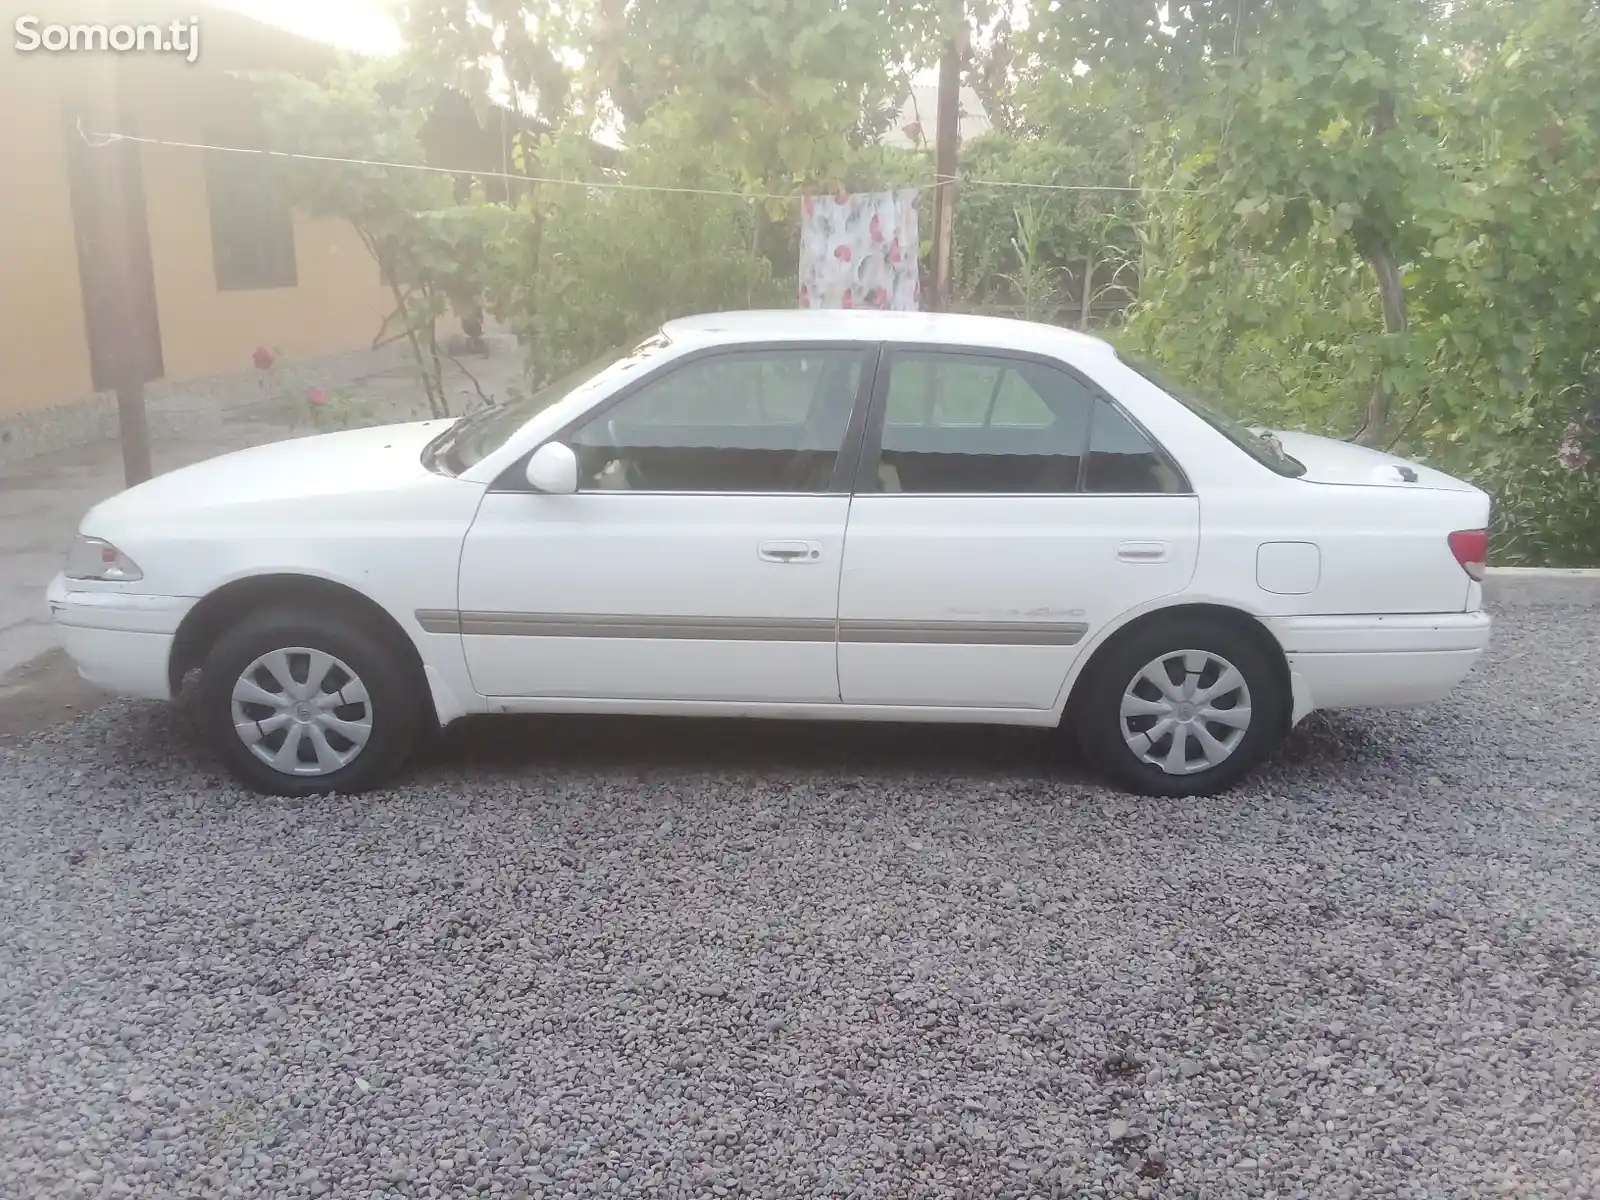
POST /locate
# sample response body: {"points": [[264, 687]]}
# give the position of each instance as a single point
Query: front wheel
{"points": [[1184, 708], [302, 703]]}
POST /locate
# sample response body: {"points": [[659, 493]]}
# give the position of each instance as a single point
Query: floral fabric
{"points": [[1579, 443], [860, 251]]}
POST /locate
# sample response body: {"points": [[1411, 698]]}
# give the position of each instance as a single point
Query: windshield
{"points": [[478, 435], [1254, 441]]}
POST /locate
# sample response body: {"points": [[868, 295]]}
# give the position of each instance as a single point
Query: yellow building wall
{"points": [[44, 353], [338, 304], [339, 301]]}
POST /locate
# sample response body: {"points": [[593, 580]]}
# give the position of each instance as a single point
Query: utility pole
{"points": [[947, 136], [111, 166]]}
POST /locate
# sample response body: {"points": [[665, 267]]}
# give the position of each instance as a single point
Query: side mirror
{"points": [[554, 469]]}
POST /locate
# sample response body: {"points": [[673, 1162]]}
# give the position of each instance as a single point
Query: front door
{"points": [[1004, 513], [699, 559]]}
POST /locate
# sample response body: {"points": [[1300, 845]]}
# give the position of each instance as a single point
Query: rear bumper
{"points": [[119, 641], [1379, 661]]}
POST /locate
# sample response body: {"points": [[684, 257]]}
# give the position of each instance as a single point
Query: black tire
{"points": [[392, 709], [1096, 711]]}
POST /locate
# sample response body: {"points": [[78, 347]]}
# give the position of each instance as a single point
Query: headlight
{"points": [[96, 558]]}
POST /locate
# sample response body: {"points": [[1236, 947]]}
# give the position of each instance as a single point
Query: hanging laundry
{"points": [[860, 251]]}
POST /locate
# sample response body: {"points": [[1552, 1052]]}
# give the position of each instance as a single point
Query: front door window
{"points": [[767, 421]]}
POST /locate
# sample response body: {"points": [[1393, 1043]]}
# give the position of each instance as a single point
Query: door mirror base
{"points": [[553, 469]]}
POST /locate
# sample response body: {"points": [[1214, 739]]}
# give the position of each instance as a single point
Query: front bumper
{"points": [[120, 641], [1379, 661]]}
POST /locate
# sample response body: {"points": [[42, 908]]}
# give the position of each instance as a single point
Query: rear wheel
{"points": [[301, 703], [1186, 707]]}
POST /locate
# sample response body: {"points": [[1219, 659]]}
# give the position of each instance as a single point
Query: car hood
{"points": [[1328, 460], [351, 461]]}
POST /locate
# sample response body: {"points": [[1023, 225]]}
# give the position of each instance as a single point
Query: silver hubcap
{"points": [[302, 711], [1186, 712]]}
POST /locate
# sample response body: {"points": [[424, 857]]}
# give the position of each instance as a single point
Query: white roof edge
{"points": [[875, 325]]}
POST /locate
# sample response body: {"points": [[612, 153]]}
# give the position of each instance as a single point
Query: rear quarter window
{"points": [[1258, 444]]}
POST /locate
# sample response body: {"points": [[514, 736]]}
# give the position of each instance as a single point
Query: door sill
{"points": [[913, 713]]}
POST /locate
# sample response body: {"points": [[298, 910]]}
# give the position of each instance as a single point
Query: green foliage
{"points": [[342, 408], [1035, 279], [1028, 251], [516, 52], [1368, 218], [1301, 124], [1286, 341], [373, 113], [611, 263], [1322, 140], [775, 93], [778, 93], [1510, 277]]}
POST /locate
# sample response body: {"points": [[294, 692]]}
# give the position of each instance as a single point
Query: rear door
{"points": [[1004, 512]]}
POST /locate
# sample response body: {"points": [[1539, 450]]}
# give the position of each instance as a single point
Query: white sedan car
{"points": [[835, 515]]}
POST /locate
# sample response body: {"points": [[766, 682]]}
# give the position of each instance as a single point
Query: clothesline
{"points": [[100, 140]]}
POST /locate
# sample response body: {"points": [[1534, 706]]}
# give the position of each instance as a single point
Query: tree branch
{"points": [[1379, 257], [476, 386], [1375, 248], [1411, 420]]}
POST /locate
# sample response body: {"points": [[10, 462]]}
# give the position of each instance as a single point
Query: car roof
{"points": [[873, 325]]}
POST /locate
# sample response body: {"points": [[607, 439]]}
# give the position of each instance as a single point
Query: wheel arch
{"points": [[1232, 616], [235, 600]]}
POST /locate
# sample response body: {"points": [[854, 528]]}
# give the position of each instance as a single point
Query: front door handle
{"points": [[1143, 552], [790, 552]]}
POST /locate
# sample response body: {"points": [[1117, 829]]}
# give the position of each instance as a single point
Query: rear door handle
{"points": [[790, 552], [1143, 552]]}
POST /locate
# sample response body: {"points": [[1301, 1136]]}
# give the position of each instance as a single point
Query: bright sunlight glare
{"points": [[364, 26]]}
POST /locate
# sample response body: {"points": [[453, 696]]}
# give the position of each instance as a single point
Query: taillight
{"points": [[1471, 548]]}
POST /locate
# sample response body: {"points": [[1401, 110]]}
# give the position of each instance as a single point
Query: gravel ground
{"points": [[618, 958]]}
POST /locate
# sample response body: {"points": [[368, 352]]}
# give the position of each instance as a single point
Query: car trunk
{"points": [[1329, 461], [1416, 569]]}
